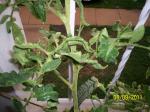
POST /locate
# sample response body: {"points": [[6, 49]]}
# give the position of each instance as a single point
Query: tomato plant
{"points": [[35, 60]]}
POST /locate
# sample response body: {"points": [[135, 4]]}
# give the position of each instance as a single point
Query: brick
{"points": [[129, 16], [32, 32], [24, 14], [53, 19], [90, 15], [107, 16]]}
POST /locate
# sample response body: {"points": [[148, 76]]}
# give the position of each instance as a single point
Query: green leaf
{"points": [[116, 27], [2, 7], [148, 73], [107, 50], [147, 94], [100, 109], [4, 18], [17, 34], [73, 41], [84, 58], [13, 78], [35, 57], [8, 26], [58, 6], [50, 65], [28, 46], [87, 88], [18, 106], [21, 2], [45, 93], [20, 56], [138, 34], [38, 9], [126, 35], [103, 34], [95, 37]]}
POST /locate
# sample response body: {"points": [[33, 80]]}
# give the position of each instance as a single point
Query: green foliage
{"points": [[20, 56], [147, 94], [107, 50], [17, 34], [100, 109], [87, 88], [4, 18], [18, 106], [46, 93], [2, 7], [35, 60], [84, 59], [8, 26], [50, 65], [38, 9], [13, 78], [137, 34]]}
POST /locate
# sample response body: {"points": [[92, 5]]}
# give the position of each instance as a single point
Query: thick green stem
{"points": [[63, 79], [76, 69]]}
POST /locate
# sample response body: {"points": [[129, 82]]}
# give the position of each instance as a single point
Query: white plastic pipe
{"points": [[6, 46], [142, 20], [7, 42], [72, 29]]}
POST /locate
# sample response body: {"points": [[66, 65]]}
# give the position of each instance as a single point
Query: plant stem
{"points": [[27, 102], [63, 79], [80, 30], [135, 45], [76, 69], [10, 98]]}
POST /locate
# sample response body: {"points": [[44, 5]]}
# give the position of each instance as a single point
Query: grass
{"points": [[135, 69], [125, 4]]}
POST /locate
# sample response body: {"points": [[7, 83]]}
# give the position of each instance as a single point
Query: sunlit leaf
{"points": [[137, 34], [50, 65], [84, 58], [107, 51], [45, 93], [17, 34], [95, 37], [19, 55]]}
